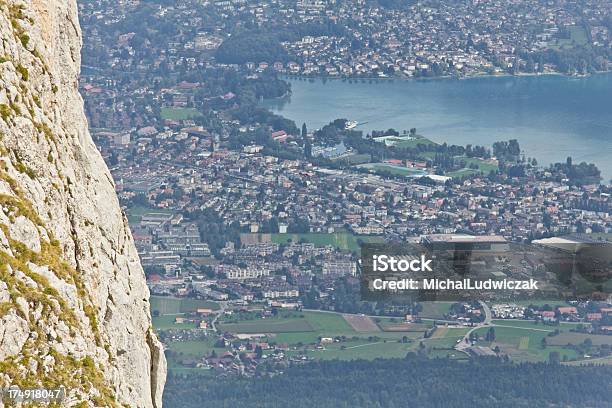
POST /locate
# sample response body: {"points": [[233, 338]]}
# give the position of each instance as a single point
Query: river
{"points": [[552, 116]]}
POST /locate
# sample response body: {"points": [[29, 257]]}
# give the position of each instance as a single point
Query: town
{"points": [[249, 228], [356, 38]]}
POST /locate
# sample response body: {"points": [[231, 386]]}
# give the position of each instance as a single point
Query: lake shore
{"points": [[356, 79], [552, 116]]}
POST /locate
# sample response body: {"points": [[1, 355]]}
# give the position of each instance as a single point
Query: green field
{"points": [[483, 167], [577, 338], [577, 38], [328, 323], [194, 348], [172, 306], [532, 324], [415, 142], [136, 212], [362, 349], [312, 323], [447, 337], [179, 113], [343, 240], [435, 310], [388, 325], [270, 325], [395, 170], [525, 344], [178, 351], [357, 158], [168, 322], [366, 345], [462, 173]]}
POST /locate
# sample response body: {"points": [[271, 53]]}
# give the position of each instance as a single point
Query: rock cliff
{"points": [[74, 307]]}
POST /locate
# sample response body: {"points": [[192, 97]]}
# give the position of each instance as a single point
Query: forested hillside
{"points": [[410, 382]]}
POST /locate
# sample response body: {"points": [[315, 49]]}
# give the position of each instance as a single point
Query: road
{"points": [[464, 344], [223, 307]]}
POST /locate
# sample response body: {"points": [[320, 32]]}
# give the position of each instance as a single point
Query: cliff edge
{"points": [[74, 307]]}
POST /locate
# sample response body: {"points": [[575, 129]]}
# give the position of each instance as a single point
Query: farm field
{"points": [[178, 351], [328, 322], [320, 323], [435, 310], [168, 322], [301, 330], [195, 349], [446, 337], [576, 338], [361, 323], [525, 343], [171, 305], [362, 349], [267, 326], [532, 324], [389, 326]]}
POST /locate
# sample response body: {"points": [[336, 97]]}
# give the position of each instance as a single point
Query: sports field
{"points": [[346, 241]]}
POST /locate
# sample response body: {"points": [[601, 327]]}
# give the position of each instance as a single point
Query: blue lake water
{"points": [[552, 116]]}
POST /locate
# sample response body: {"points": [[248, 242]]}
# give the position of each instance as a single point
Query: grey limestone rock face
{"points": [[74, 306]]}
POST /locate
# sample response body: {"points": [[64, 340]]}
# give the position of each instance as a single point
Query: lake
{"points": [[552, 116]]}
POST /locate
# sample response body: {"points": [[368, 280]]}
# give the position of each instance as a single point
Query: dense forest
{"points": [[265, 45], [251, 47], [410, 382]]}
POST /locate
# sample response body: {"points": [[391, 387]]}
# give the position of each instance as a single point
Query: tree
{"points": [[308, 149], [251, 47], [304, 131], [554, 357]]}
